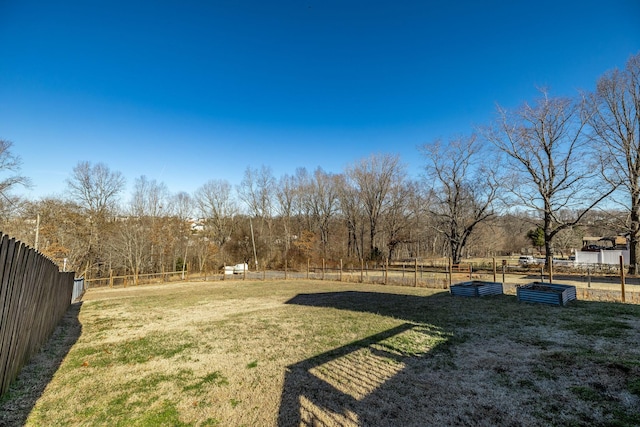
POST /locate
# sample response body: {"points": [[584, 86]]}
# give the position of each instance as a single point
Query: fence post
{"points": [[450, 271], [323, 265], [308, 266], [362, 270], [386, 271], [341, 269], [622, 277], [285, 269], [110, 278], [470, 271], [415, 273], [494, 269]]}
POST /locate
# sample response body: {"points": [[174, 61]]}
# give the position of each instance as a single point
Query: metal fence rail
{"points": [[78, 289]]}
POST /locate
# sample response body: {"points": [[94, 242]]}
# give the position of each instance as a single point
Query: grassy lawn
{"points": [[289, 353]]}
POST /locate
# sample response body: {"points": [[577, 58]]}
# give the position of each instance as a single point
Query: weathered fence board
{"points": [[10, 305], [34, 295]]}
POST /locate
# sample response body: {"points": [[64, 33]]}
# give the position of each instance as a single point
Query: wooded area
{"points": [[537, 179]]}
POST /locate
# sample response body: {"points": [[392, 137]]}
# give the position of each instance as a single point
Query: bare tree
{"points": [[149, 197], [96, 188], [396, 220], [181, 209], [10, 170], [547, 153], [616, 128], [62, 230], [373, 178], [181, 205], [217, 207], [322, 203], [463, 189], [287, 195], [257, 191], [132, 244], [142, 231], [354, 217]]}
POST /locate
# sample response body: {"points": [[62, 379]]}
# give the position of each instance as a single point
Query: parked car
{"points": [[526, 260], [240, 268]]}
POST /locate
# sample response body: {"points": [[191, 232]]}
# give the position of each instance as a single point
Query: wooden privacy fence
{"points": [[34, 296]]}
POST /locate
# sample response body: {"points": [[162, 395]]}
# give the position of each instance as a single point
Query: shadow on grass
{"points": [[370, 381], [386, 380], [24, 392]]}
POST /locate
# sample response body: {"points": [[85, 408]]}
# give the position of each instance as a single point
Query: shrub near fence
{"points": [[34, 296]]}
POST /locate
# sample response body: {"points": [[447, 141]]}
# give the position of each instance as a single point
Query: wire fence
{"points": [[592, 282]]}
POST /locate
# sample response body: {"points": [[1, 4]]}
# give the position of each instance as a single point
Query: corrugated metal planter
{"points": [[476, 288], [546, 293]]}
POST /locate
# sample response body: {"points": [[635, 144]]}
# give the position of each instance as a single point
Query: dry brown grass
{"points": [[324, 353]]}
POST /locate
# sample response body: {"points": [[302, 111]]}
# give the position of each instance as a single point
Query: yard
{"points": [[296, 352]]}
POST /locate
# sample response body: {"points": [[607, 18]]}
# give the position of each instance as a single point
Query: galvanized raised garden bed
{"points": [[546, 293], [476, 288]]}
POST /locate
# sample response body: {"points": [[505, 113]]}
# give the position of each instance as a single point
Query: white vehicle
{"points": [[526, 260], [240, 268]]}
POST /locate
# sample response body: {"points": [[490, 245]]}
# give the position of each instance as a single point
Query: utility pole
{"points": [[253, 241], [37, 231]]}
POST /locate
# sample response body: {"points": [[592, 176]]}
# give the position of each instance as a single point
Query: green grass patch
{"points": [[607, 328], [166, 415], [132, 351], [634, 386], [212, 379], [587, 394]]}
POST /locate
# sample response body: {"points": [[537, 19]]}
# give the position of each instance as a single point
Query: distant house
{"points": [[197, 225]]}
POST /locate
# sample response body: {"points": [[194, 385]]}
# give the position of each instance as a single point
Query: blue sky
{"points": [[188, 91]]}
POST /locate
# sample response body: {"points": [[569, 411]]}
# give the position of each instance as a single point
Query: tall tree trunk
{"points": [[634, 233]]}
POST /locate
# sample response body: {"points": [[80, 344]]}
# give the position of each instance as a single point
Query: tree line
{"points": [[544, 174]]}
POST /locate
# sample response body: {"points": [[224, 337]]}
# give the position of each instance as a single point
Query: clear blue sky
{"points": [[188, 91]]}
